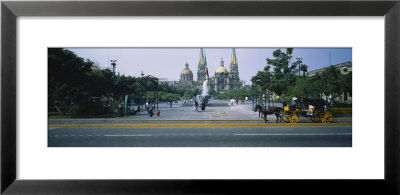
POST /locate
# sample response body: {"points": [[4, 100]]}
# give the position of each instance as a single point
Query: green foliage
{"points": [[330, 83], [72, 109], [169, 96], [282, 72], [67, 72], [304, 88], [283, 78]]}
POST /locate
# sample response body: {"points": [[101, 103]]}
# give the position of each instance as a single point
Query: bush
{"points": [[97, 108], [72, 109]]}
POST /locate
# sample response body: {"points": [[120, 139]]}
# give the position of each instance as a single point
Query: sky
{"points": [[168, 63]]}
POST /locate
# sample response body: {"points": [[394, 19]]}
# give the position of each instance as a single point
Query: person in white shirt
{"points": [[310, 110]]}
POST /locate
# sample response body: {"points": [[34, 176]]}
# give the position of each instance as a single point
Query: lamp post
{"points": [[252, 86], [154, 81], [113, 64], [157, 91], [299, 61], [142, 91]]}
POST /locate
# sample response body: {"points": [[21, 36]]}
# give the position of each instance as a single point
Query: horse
{"points": [[270, 110]]}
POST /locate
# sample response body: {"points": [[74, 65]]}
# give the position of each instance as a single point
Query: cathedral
{"points": [[222, 81]]}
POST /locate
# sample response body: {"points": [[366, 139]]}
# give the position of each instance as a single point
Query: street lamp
{"points": [[299, 61], [154, 88], [113, 64]]}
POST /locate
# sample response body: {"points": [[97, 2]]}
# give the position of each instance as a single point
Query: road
{"points": [[233, 126], [269, 136]]}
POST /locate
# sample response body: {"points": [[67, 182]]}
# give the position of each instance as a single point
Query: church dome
{"points": [[186, 71], [221, 68]]}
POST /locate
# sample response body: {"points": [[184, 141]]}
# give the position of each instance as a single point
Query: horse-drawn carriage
{"points": [[318, 111], [292, 113], [313, 108]]}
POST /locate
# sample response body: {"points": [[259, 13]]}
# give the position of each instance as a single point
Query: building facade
{"points": [[344, 68], [222, 81]]}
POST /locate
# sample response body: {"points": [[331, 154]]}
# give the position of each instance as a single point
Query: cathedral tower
{"points": [[234, 71], [201, 68]]}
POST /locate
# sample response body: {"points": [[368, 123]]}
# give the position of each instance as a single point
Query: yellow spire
{"points": [[201, 60], [233, 58]]}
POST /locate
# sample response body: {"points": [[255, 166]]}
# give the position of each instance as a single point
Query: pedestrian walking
{"points": [[232, 101], [151, 112], [170, 103], [196, 105], [147, 107], [203, 106]]}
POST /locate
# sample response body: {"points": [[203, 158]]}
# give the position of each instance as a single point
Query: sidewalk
{"points": [[240, 112]]}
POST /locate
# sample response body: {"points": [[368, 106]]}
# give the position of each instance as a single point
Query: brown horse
{"points": [[270, 110]]}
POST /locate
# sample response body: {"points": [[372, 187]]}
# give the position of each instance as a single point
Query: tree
{"points": [[330, 83], [304, 68], [345, 81], [282, 72], [68, 75]]}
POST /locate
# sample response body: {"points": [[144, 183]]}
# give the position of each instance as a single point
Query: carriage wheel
{"points": [[315, 118], [328, 118], [287, 118], [295, 118]]}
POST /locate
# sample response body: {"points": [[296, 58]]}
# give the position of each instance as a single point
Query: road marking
{"points": [[173, 120], [127, 135], [296, 134], [199, 125]]}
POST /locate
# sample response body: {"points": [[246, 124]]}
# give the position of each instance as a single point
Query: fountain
{"points": [[204, 96], [204, 93]]}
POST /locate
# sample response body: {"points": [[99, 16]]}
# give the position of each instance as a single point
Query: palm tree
{"points": [[303, 68]]}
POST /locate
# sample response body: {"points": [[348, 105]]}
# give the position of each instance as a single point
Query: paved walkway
{"points": [[236, 113]]}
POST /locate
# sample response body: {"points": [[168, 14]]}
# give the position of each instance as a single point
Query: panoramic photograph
{"points": [[200, 97]]}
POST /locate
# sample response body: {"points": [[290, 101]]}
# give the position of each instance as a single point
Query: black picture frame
{"points": [[10, 10]]}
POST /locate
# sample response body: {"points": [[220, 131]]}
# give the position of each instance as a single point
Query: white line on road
{"points": [[308, 134]]}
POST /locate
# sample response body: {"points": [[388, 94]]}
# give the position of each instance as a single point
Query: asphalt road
{"points": [[258, 136], [180, 126]]}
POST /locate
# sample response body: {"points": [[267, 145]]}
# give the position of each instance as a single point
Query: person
{"points": [[147, 107], [151, 111], [237, 101], [158, 113], [121, 110], [293, 102], [170, 103], [232, 101], [310, 110], [203, 106], [196, 105]]}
